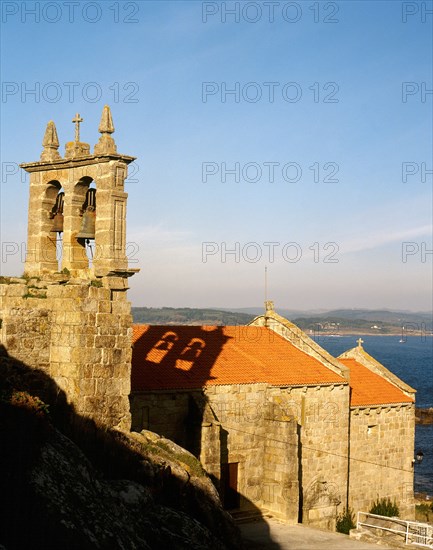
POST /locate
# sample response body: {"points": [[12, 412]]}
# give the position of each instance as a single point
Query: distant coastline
{"points": [[424, 416], [334, 323], [364, 333]]}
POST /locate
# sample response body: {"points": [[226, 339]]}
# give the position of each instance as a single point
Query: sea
{"points": [[412, 361]]}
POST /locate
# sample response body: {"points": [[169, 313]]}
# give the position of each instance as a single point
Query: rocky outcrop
{"points": [[67, 483], [424, 416]]}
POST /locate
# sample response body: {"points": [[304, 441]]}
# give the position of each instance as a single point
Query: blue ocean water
{"points": [[412, 361]]}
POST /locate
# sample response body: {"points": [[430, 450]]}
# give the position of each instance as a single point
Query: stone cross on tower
{"points": [[360, 341], [77, 121]]}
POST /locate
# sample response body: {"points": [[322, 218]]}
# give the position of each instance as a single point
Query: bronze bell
{"points": [[87, 230], [57, 223], [57, 214]]}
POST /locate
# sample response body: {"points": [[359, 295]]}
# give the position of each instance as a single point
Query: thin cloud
{"points": [[157, 234], [378, 239]]}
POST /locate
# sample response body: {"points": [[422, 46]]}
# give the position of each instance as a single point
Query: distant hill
{"points": [[364, 321], [188, 316], [383, 315], [341, 321]]}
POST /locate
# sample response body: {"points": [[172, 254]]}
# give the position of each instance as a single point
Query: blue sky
{"points": [[337, 71]]}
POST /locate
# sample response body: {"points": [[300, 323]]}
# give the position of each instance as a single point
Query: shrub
{"points": [[384, 507], [30, 402], [345, 521]]}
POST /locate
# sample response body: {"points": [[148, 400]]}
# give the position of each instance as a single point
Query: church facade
{"points": [[280, 424]]}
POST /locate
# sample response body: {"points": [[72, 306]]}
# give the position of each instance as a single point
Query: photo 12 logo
{"points": [[10, 171], [253, 252], [269, 172], [415, 250], [414, 329], [416, 12], [9, 250], [415, 172], [70, 12], [53, 92], [412, 92], [270, 12], [270, 92]]}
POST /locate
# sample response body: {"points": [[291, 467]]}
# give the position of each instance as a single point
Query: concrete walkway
{"points": [[270, 534]]}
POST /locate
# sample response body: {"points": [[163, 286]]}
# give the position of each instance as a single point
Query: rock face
{"points": [[77, 509], [424, 416], [96, 488]]}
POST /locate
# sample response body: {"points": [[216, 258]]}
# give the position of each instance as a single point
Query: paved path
{"points": [[270, 534]]}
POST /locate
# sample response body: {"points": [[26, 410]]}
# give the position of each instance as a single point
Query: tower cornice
{"points": [[42, 166]]}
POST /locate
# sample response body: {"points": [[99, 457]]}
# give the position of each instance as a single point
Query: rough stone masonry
{"points": [[69, 316]]}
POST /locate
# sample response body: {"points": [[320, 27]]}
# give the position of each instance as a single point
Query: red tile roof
{"points": [[369, 388], [187, 357]]}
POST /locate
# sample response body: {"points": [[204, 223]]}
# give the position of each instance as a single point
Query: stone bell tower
{"points": [[71, 319], [74, 174]]}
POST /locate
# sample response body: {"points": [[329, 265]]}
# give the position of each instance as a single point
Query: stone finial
{"points": [[106, 125], [106, 143], [360, 341], [50, 143], [269, 306], [77, 148]]}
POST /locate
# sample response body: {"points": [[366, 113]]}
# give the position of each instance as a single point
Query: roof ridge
{"points": [[359, 354], [324, 356], [363, 385]]}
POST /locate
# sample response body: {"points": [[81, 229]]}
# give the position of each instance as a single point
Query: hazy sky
{"points": [[292, 135]]}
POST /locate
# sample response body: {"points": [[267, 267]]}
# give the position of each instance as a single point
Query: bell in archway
{"points": [[57, 214], [87, 230], [57, 223]]}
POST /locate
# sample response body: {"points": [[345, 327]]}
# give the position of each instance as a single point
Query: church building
{"points": [[279, 424]]}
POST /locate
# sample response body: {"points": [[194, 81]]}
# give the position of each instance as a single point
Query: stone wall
{"points": [[78, 333], [226, 425], [381, 454], [259, 428], [322, 417], [165, 413]]}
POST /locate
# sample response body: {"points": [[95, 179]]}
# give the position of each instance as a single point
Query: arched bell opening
{"points": [[87, 232], [81, 211], [52, 223], [57, 217]]}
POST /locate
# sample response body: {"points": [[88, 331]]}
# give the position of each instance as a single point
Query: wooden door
{"points": [[229, 482]]}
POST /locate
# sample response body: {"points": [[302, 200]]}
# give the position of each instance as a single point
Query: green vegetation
{"points": [[31, 295], [424, 512], [192, 464], [26, 401], [345, 521], [96, 282], [384, 507], [188, 316]]}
